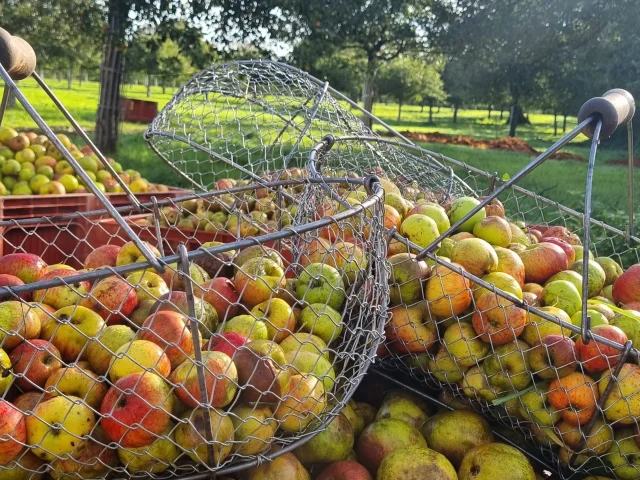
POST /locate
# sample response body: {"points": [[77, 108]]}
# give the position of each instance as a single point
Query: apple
{"points": [[597, 318], [433, 211], [112, 298], [305, 342], [221, 378], [136, 410], [575, 396], [303, 402], [59, 426], [248, 326], [141, 312], [533, 288], [108, 341], [76, 382], [155, 458], [171, 332], [570, 276], [53, 187], [103, 256], [138, 356], [626, 288], [537, 327], [622, 406], [518, 237], [562, 233], [7, 280], [460, 207], [226, 342], [258, 278], [407, 274], [419, 229], [448, 292], [579, 250], [18, 143], [566, 248], [475, 385], [596, 276], [509, 262], [71, 329], [446, 248], [177, 302], [190, 435], [456, 237], [500, 280], [543, 260], [497, 320], [562, 294], [13, 431], [534, 406], [65, 295], [321, 320], [33, 362], [602, 308], [26, 266], [92, 459], [221, 293], [508, 368], [257, 251], [493, 461], [441, 366], [18, 322], [464, 345], [130, 253], [411, 329], [254, 426], [174, 280], [278, 318], [148, 285], [476, 256], [553, 357], [321, 283], [611, 269], [6, 134], [596, 356], [494, 230]]}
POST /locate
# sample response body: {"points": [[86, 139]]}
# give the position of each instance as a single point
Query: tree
{"points": [[380, 29], [231, 18], [409, 80], [514, 42]]}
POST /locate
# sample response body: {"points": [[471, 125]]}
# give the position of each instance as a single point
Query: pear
{"points": [[332, 444], [493, 461]]}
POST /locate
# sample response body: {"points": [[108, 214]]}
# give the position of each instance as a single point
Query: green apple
{"points": [[494, 230], [436, 213], [27, 155], [562, 294], [6, 152], [503, 281], [534, 405], [108, 342], [570, 276], [248, 326], [71, 329], [597, 318], [69, 182], [305, 342], [6, 134], [611, 269], [12, 167], [407, 275], [444, 368], [460, 207], [89, 164], [597, 276], [103, 175], [9, 182], [21, 188], [38, 181], [579, 249], [419, 229], [624, 455], [464, 344], [312, 364], [629, 323], [26, 174], [155, 458], [39, 150], [64, 168], [476, 386], [508, 368], [46, 170], [321, 320], [321, 283]]}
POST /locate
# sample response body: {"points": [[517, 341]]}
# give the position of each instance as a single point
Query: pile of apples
{"points": [[488, 349], [87, 365], [31, 165]]}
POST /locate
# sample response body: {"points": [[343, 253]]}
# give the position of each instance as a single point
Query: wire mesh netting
{"points": [[484, 313], [236, 353]]}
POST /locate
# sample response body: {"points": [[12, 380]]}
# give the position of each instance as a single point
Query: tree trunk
{"points": [[490, 110], [148, 82], [513, 120], [431, 111], [367, 96], [164, 85], [80, 79], [399, 110], [11, 99], [438, 109], [555, 124], [41, 73], [69, 78], [110, 81], [456, 106], [564, 124], [422, 107], [501, 112]]}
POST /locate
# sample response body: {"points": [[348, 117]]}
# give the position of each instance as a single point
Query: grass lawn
{"points": [[562, 181]]}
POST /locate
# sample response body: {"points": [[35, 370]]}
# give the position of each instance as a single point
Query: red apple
{"points": [[64, 295], [26, 266], [104, 256], [568, 249], [112, 298], [7, 280], [136, 410], [543, 260], [345, 470], [553, 357], [13, 431], [562, 233], [226, 342], [171, 332], [34, 362], [626, 289], [533, 288], [509, 262], [28, 401], [222, 295], [596, 356], [536, 233]]}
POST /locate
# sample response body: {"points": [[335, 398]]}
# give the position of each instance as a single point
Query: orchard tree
{"points": [[381, 30]]}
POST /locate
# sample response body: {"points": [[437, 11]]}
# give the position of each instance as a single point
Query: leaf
{"points": [[506, 177], [500, 401], [619, 310]]}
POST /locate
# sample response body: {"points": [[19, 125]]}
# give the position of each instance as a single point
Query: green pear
{"points": [[416, 462], [403, 409], [332, 444], [493, 461]]}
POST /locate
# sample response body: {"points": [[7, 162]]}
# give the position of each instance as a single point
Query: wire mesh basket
{"points": [[485, 328]]}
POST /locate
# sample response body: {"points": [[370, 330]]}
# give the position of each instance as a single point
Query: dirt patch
{"points": [[508, 144], [623, 162]]}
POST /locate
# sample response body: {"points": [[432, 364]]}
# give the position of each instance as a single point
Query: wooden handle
{"points": [[16, 56], [615, 108]]}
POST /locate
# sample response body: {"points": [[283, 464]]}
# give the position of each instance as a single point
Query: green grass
{"points": [[562, 181]]}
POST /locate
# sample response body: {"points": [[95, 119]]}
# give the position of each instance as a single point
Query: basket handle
{"points": [[16, 56], [616, 107]]}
